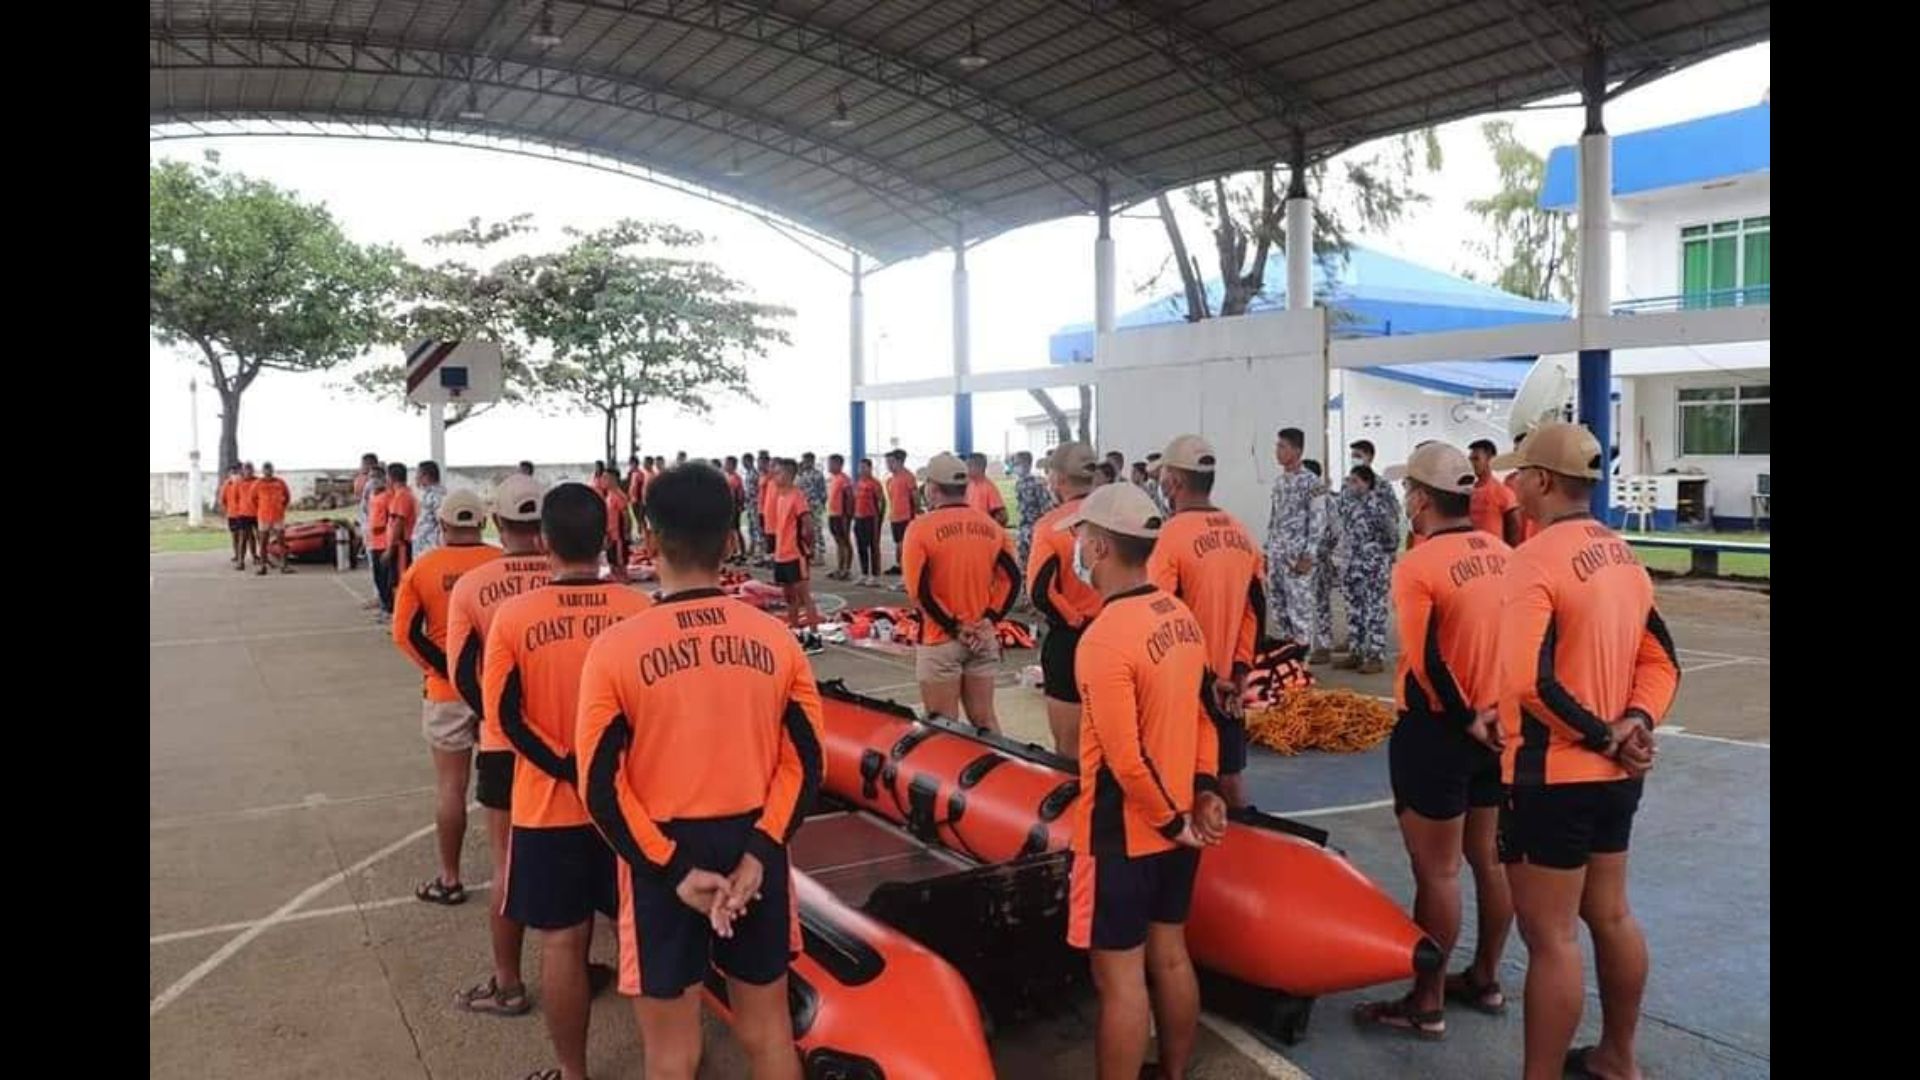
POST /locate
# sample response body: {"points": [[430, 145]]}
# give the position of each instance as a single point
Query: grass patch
{"points": [[173, 534], [1680, 561]]}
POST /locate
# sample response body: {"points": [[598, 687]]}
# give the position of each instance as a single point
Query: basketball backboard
{"points": [[453, 372]]}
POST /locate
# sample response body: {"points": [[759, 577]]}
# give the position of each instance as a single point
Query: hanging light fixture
{"points": [[544, 36], [973, 59], [472, 109], [840, 118]]}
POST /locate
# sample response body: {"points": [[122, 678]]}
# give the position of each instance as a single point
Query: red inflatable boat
{"points": [[1273, 907], [870, 1003]]}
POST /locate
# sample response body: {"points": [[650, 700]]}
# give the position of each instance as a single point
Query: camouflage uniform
{"points": [[1370, 534], [1159, 500], [1031, 496], [1290, 538], [813, 483], [1320, 525], [750, 493]]}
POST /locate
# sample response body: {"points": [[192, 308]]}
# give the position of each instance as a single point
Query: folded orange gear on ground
{"points": [[1339, 721]]}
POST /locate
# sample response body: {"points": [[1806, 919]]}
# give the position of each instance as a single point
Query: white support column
{"points": [[962, 358], [437, 434], [1299, 231], [1595, 283], [195, 514], [856, 362], [1103, 293], [1596, 207]]}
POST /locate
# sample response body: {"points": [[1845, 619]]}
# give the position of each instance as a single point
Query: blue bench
{"points": [[1706, 553]]}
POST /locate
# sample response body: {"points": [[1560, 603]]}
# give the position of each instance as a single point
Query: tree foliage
{"points": [[1530, 249], [256, 280], [1246, 217]]}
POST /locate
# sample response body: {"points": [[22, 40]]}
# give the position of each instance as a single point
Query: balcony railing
{"points": [[1745, 296]]}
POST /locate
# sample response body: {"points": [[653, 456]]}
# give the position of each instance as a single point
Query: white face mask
{"points": [[1358, 459], [1080, 568]]}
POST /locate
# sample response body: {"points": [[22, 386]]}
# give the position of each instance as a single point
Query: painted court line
{"points": [[1252, 1048], [316, 913], [242, 639], [1323, 811], [311, 802], [281, 914]]}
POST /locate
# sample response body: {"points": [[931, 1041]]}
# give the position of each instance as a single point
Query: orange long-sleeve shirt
{"points": [[1056, 589], [949, 559], [1581, 646], [1208, 560], [470, 610], [536, 650], [1146, 745], [699, 707], [420, 610], [1447, 595]]}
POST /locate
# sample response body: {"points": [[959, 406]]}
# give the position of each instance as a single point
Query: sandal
{"points": [[545, 1074], [1399, 1016], [1577, 1064], [1486, 997], [493, 1000], [439, 892]]}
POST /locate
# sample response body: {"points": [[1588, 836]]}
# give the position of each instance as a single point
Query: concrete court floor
{"points": [[290, 820]]}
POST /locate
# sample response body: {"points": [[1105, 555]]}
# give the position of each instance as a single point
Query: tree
{"points": [[1531, 249], [256, 280], [452, 300], [1246, 216], [1061, 424], [627, 327]]}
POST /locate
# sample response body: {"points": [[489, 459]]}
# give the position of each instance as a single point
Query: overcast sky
{"points": [[1025, 285]]}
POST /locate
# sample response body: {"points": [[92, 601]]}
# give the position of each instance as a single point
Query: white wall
{"points": [[1651, 266], [1397, 416], [1234, 381], [1730, 477]]}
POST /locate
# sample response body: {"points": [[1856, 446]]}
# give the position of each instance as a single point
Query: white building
{"points": [[1693, 214], [1036, 433]]}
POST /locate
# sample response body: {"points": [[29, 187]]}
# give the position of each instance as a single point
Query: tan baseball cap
{"points": [[463, 509], [1074, 460], [517, 498], [1566, 449], [1118, 508], [946, 469], [1189, 452], [1440, 466]]}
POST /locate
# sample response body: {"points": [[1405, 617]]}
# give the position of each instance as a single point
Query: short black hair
{"points": [[691, 510], [395, 472], [1132, 550], [952, 491], [573, 518], [1023, 455], [896, 455], [633, 459], [867, 461], [428, 469], [369, 458], [1107, 470], [1366, 474], [1200, 483], [1311, 466], [808, 456], [1293, 437], [1363, 446], [836, 459], [977, 458], [527, 467], [599, 467], [1483, 445], [733, 461], [1452, 504], [237, 467], [1111, 454]]}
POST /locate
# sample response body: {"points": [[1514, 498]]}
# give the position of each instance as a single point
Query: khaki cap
{"points": [[463, 509], [1440, 466], [1566, 449], [1073, 460], [1117, 508], [946, 469], [518, 497], [1188, 452]]}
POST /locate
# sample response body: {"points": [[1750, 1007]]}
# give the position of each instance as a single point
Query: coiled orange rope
{"points": [[1339, 721]]}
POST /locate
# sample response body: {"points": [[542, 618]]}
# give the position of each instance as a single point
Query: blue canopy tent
{"points": [[1373, 294]]}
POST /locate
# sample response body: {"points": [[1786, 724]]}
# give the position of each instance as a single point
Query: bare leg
{"points": [[506, 935], [765, 1028], [451, 769], [1493, 899], [1063, 719], [670, 1035], [1176, 996], [976, 694], [1121, 978], [1547, 904], [1620, 962], [563, 984], [1433, 847]]}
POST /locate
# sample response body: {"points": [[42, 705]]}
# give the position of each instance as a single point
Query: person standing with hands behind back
{"points": [[1149, 799], [1587, 670], [698, 774]]}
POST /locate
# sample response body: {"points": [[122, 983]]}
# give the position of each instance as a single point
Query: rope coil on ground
{"points": [[1338, 721]]}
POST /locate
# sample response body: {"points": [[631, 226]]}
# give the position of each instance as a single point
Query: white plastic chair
{"points": [[1640, 501]]}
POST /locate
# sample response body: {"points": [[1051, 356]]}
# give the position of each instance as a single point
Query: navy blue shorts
{"points": [[1112, 899], [675, 945], [1233, 746], [1438, 771], [1056, 663], [557, 878], [1561, 826], [493, 784]]}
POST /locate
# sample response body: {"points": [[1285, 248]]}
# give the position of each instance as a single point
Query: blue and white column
{"points": [[857, 362], [1596, 272], [962, 361]]}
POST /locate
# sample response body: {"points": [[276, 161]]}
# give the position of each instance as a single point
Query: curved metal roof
{"points": [[894, 125]]}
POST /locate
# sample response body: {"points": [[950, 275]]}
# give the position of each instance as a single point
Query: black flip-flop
{"points": [[439, 892], [1398, 1015], [493, 1001], [1462, 990], [1576, 1064]]}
